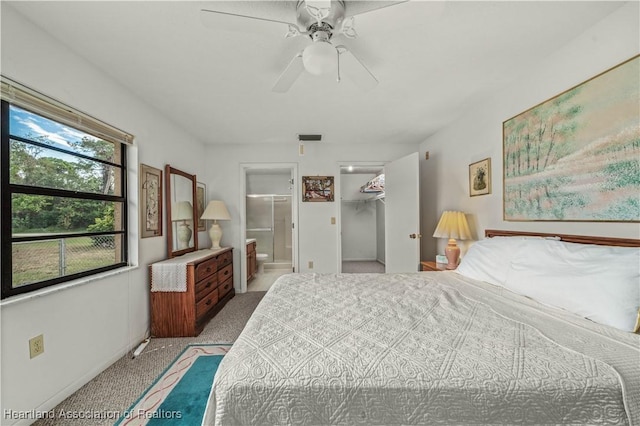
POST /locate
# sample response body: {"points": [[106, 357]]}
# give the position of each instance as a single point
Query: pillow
{"points": [[488, 260], [601, 283]]}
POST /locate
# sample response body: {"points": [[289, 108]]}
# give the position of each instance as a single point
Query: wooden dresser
{"points": [[209, 286]]}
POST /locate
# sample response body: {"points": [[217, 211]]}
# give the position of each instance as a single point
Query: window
{"points": [[64, 205]]}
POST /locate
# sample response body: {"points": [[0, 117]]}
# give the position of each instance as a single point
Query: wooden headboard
{"points": [[603, 241]]}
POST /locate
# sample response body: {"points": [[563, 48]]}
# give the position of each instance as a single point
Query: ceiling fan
{"points": [[322, 22]]}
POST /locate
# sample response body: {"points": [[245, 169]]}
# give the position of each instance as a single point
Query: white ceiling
{"points": [[432, 59]]}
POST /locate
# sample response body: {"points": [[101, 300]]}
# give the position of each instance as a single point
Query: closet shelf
{"points": [[379, 196], [375, 185]]}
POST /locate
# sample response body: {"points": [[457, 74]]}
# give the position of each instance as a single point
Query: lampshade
{"points": [[216, 210], [453, 225], [182, 211], [320, 58]]}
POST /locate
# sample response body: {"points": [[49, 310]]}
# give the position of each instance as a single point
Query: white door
{"points": [[402, 214]]}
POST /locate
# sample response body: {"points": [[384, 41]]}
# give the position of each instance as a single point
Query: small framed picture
{"points": [[317, 188], [480, 177]]}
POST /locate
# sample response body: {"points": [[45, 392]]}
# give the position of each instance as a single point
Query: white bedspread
{"points": [[423, 348]]}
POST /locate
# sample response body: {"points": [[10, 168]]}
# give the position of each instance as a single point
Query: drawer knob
{"points": [[209, 284], [208, 302]]}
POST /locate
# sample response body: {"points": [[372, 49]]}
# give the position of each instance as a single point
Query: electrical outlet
{"points": [[426, 155], [311, 264], [36, 346], [333, 220]]}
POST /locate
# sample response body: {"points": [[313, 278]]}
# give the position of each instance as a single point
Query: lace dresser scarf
{"points": [[171, 274], [424, 348]]}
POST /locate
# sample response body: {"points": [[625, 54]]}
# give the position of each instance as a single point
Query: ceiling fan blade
{"points": [[355, 69], [290, 74], [238, 22], [360, 7]]}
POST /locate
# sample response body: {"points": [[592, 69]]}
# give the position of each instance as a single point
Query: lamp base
{"points": [[215, 233], [452, 251], [184, 236]]}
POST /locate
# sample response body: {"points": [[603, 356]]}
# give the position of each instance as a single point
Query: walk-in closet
{"points": [[362, 219]]}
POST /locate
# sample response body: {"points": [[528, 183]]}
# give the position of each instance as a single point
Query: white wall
{"points": [[86, 327], [478, 134], [318, 238], [358, 218]]}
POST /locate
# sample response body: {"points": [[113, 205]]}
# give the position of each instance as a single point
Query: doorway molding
{"points": [[244, 168]]}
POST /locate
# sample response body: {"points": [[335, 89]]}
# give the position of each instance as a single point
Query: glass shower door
{"points": [[260, 223], [282, 230]]}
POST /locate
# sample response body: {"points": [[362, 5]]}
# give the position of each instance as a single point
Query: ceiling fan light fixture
{"points": [[320, 58]]}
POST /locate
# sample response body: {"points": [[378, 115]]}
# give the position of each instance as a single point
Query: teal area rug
{"points": [[180, 395]]}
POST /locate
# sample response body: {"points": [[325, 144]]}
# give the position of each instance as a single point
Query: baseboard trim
{"points": [[70, 389]]}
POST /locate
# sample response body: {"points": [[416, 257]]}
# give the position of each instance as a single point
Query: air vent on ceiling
{"points": [[315, 138]]}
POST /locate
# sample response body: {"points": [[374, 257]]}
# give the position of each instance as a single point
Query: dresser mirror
{"points": [[182, 233]]}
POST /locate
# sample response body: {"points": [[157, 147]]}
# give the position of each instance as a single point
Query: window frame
{"points": [[7, 189]]}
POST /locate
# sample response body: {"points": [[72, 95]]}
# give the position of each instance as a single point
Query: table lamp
{"points": [[452, 225], [216, 210], [183, 212]]}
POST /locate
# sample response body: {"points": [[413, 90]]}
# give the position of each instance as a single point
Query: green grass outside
{"points": [[39, 261]]}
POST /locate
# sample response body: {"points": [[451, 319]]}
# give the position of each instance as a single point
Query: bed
{"points": [[435, 348]]}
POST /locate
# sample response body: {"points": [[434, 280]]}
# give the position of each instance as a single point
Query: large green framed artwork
{"points": [[576, 156]]}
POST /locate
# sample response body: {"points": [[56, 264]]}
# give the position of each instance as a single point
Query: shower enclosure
{"points": [[269, 222]]}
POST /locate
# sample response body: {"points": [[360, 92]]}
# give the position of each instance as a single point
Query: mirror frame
{"points": [[168, 172]]}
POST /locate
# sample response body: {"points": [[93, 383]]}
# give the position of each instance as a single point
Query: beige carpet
{"points": [[362, 267], [120, 385]]}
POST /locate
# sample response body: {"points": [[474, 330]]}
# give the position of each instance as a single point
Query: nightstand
{"points": [[433, 266]]}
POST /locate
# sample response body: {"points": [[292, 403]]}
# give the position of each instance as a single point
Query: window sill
{"points": [[64, 286]]}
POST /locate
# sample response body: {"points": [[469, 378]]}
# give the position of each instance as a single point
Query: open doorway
{"points": [[269, 217], [392, 230], [362, 219]]}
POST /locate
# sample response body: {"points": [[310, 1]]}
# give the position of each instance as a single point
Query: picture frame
{"points": [[480, 177], [318, 188], [150, 201], [201, 204], [568, 160]]}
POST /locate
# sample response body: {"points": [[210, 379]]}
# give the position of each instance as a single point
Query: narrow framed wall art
{"points": [[201, 202], [150, 201]]}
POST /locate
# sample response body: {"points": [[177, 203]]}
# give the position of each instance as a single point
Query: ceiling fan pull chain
{"points": [[340, 50]]}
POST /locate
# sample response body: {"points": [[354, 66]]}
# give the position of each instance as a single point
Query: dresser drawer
{"points": [[225, 273], [205, 286], [224, 258], [206, 268], [208, 302], [225, 287]]}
